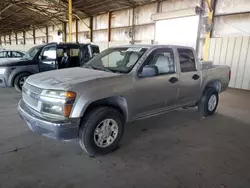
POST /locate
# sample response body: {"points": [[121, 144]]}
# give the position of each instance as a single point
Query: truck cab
{"points": [[43, 58]]}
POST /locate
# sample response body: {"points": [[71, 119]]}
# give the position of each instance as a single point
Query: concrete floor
{"points": [[178, 149]]}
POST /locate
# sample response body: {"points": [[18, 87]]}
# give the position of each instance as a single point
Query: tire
{"points": [[19, 79], [97, 117], [208, 102]]}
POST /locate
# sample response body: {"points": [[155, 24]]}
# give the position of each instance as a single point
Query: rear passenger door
{"points": [[189, 82]]}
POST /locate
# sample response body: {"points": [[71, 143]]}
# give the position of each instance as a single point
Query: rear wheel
{"points": [[19, 81], [209, 102], [101, 131]]}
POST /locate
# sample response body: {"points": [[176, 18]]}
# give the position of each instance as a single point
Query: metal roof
{"points": [[21, 15]]}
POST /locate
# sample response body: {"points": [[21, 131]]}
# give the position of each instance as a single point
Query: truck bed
{"points": [[212, 72]]}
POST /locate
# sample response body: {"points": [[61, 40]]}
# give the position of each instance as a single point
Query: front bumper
{"points": [[56, 129]]}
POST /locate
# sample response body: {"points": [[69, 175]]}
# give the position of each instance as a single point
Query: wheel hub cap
{"points": [[106, 133], [212, 102]]}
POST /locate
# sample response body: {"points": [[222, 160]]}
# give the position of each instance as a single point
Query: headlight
{"points": [[57, 103], [2, 70]]}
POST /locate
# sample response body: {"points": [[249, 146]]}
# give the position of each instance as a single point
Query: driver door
{"points": [[48, 58], [158, 93]]}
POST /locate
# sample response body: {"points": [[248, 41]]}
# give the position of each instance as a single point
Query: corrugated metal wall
{"points": [[235, 52]]}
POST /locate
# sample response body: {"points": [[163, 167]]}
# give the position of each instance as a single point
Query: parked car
{"points": [[122, 84], [6, 55], [44, 58]]}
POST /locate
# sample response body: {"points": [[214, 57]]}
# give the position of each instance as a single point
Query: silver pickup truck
{"points": [[122, 84]]}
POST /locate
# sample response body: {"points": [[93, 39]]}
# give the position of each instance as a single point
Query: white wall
{"points": [[232, 6], [234, 52], [232, 25]]}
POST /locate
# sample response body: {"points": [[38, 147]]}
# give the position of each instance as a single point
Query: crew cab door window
{"points": [[163, 59], [48, 58], [187, 60]]}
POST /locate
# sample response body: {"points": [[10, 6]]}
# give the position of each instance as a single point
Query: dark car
{"points": [[44, 58]]}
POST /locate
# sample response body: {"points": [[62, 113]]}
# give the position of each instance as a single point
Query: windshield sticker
{"points": [[133, 50]]}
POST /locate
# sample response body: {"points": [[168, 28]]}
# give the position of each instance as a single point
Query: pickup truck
{"points": [[44, 58], [122, 84]]}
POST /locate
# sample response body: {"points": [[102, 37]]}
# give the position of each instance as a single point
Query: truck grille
{"points": [[30, 95], [32, 88]]}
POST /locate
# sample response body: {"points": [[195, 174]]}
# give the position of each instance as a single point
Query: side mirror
{"points": [[149, 71], [42, 57]]}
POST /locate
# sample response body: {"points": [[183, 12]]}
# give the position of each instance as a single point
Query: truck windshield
{"points": [[32, 52], [120, 59]]}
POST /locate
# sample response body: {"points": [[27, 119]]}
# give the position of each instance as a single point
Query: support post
{"points": [[16, 38], [91, 28], [133, 27], [4, 40], [47, 34], [70, 19], [64, 32], [76, 30], [10, 39], [109, 27], [24, 37], [34, 36], [208, 34]]}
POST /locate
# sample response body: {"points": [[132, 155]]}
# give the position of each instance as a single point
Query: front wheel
{"points": [[19, 81], [208, 102], [101, 131]]}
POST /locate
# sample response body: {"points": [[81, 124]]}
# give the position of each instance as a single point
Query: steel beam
{"points": [[24, 37], [47, 34], [10, 39], [34, 36], [109, 26], [64, 32], [70, 19], [16, 38], [208, 34], [91, 28], [76, 30]]}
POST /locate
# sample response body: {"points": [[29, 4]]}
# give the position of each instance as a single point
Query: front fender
{"points": [[81, 105]]}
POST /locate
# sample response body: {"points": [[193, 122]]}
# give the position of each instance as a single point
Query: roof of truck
{"points": [[152, 46]]}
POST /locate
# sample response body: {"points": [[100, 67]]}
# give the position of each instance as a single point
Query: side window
{"points": [[8, 54], [2, 54], [59, 52], [95, 50], [74, 52], [16, 54], [49, 53], [187, 60], [163, 59]]}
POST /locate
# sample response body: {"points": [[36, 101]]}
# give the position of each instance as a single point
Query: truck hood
{"points": [[8, 62], [65, 79]]}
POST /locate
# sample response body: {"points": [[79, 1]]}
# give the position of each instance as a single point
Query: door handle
{"points": [[196, 77], [173, 80]]}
